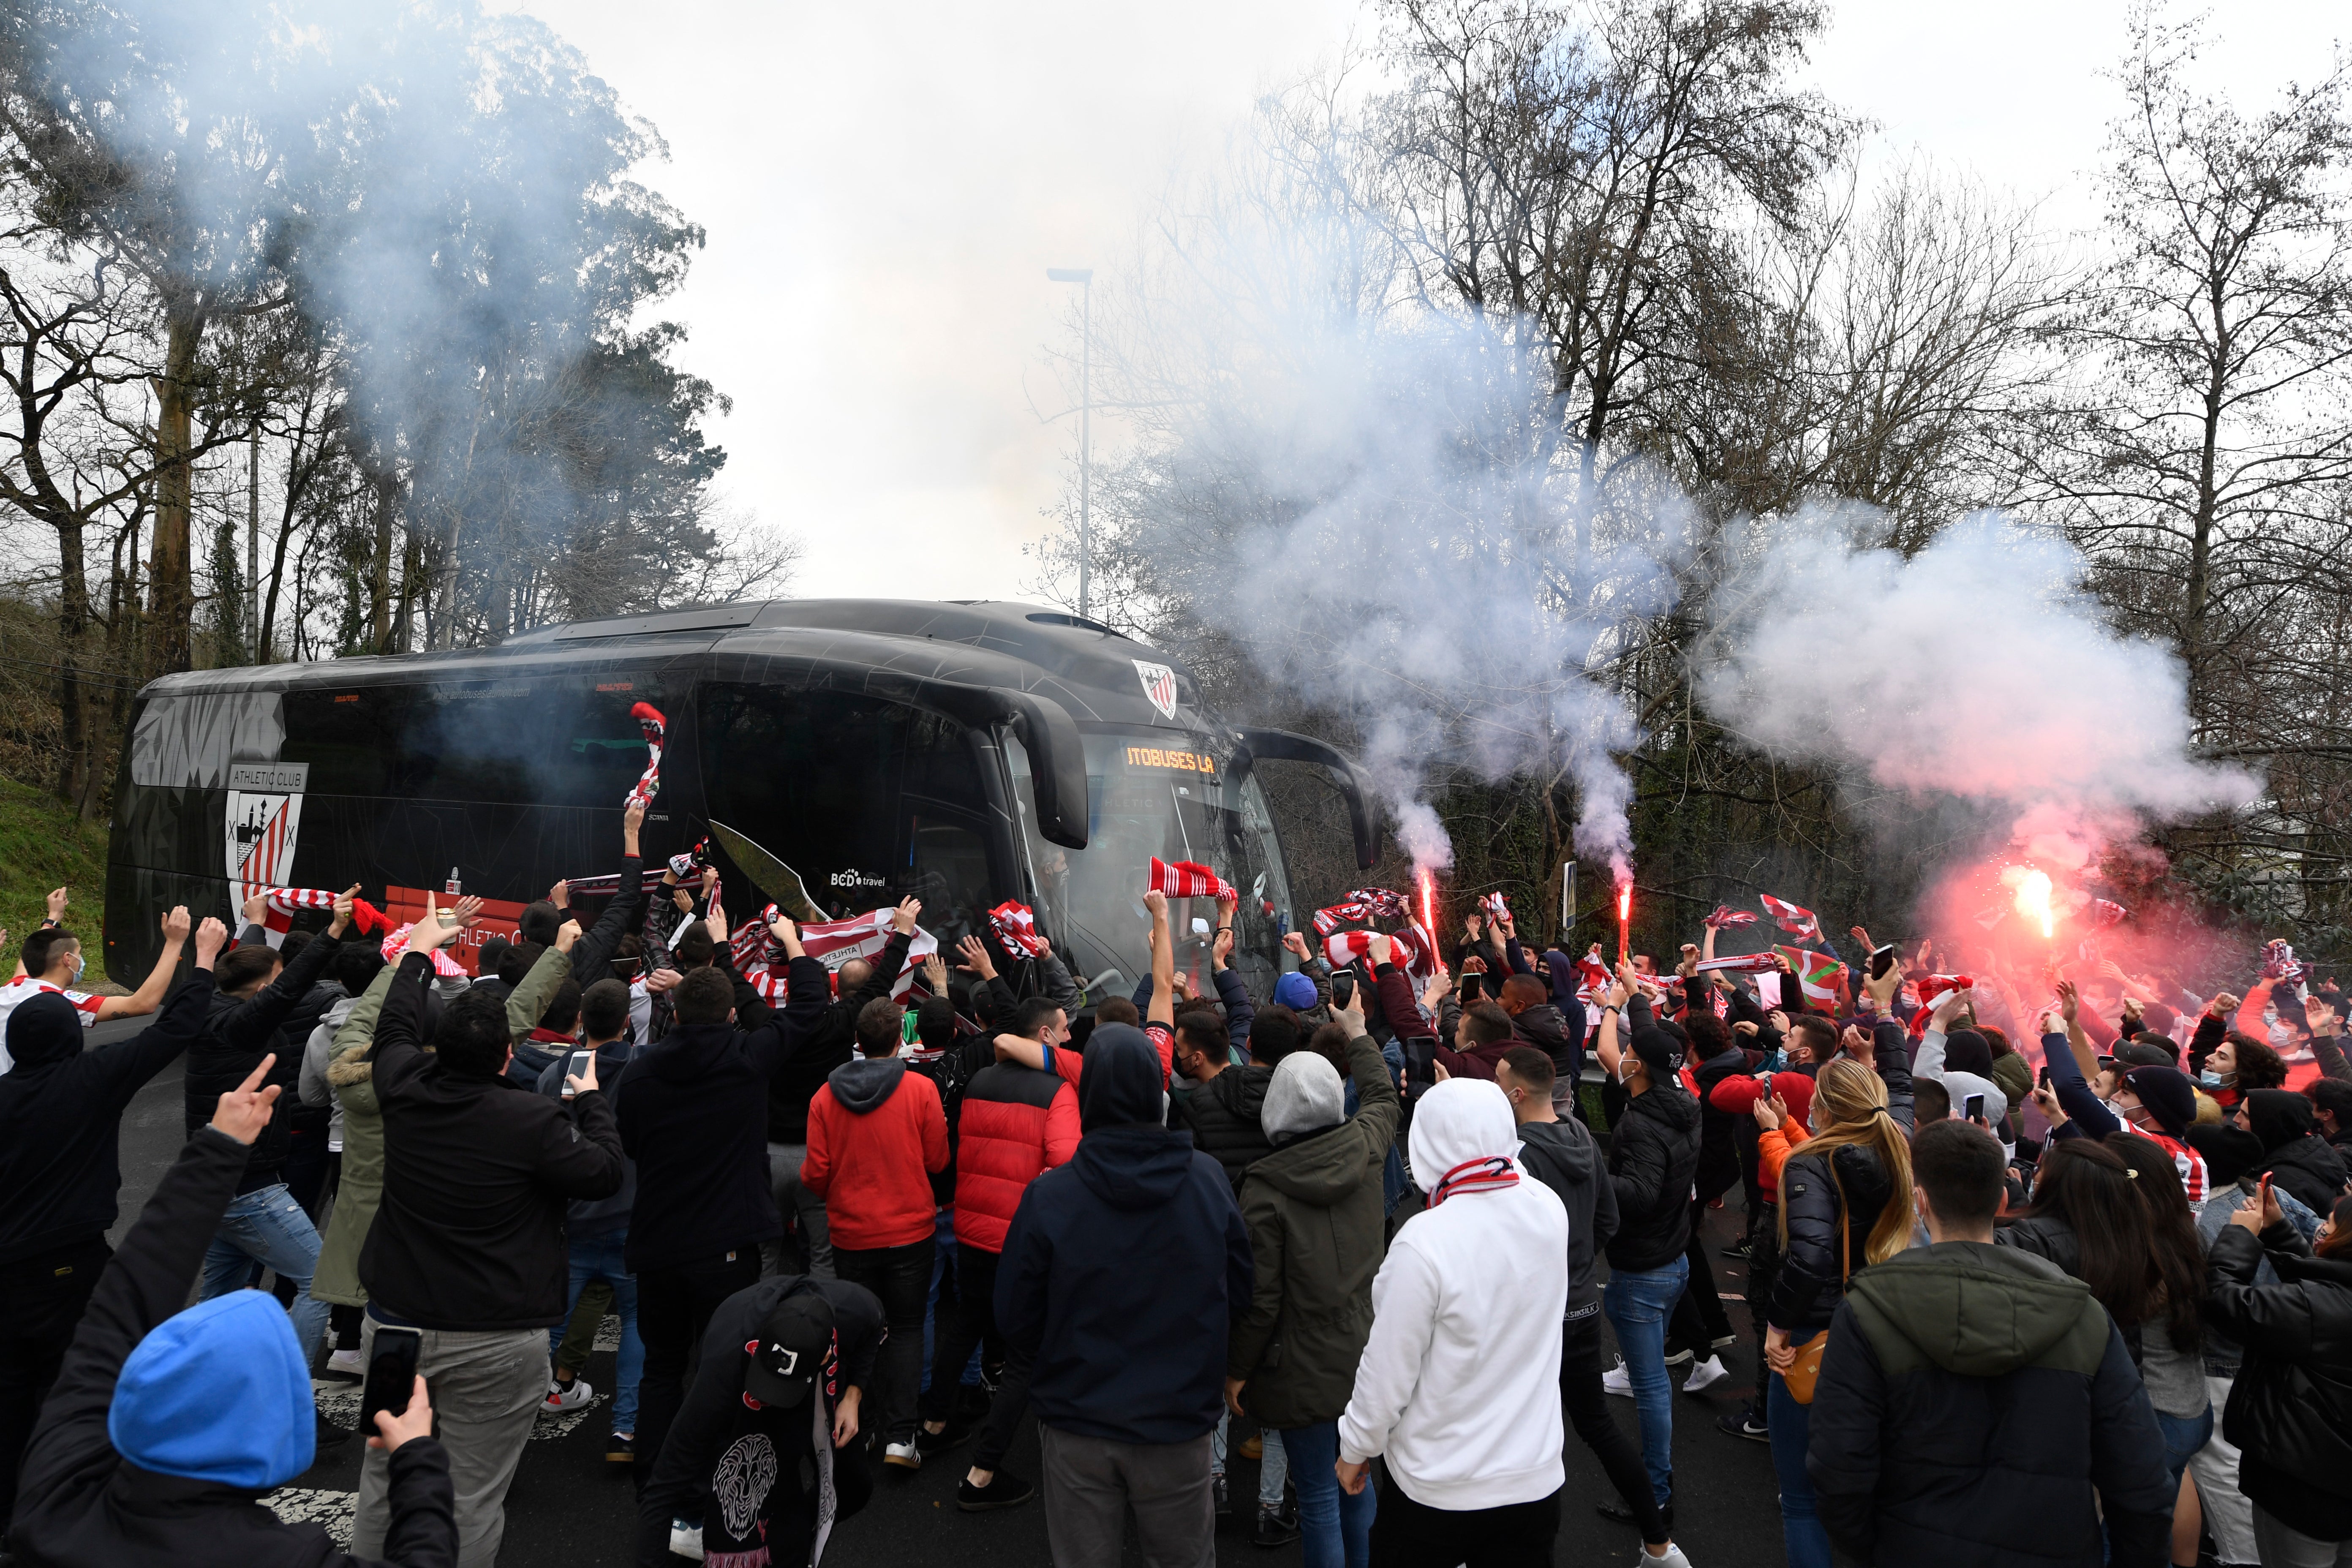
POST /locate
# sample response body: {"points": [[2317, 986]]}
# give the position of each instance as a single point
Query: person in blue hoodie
{"points": [[166, 1427], [1120, 1273]]}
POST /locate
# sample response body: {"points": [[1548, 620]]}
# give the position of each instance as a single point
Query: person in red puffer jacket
{"points": [[876, 1131], [1016, 1123]]}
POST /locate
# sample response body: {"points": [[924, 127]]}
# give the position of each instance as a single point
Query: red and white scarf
{"points": [[1484, 1173], [1016, 926], [1726, 918], [281, 902], [650, 720], [832, 943], [1189, 880], [1495, 906], [1738, 963], [444, 965], [1410, 950], [1362, 907], [1797, 920]]}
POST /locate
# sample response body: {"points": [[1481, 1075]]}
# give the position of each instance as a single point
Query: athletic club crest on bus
{"points": [[264, 820], [1160, 684]]}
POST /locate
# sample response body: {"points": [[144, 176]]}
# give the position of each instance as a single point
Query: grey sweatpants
{"points": [[791, 1199], [486, 1389], [1091, 1482]]}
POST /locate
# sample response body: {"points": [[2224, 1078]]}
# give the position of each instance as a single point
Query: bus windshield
{"points": [[1148, 793]]}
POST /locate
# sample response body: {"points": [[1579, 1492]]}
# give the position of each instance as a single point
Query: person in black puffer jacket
{"points": [[2291, 1408], [1844, 1204], [1225, 1104], [1653, 1155], [2292, 1155], [250, 1008]]}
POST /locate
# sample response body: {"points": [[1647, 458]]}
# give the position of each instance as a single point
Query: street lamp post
{"points": [[1084, 278]]}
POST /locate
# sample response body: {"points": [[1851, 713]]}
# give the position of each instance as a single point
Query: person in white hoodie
{"points": [[1472, 1437]]}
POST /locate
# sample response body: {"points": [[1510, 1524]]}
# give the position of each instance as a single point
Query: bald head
{"points": [[855, 973], [1521, 992]]}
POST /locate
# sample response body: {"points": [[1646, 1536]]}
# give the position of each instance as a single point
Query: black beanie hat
{"points": [[2167, 1092]]}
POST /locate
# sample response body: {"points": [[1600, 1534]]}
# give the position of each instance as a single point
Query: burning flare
{"points": [[1624, 918], [2033, 900], [1428, 903]]}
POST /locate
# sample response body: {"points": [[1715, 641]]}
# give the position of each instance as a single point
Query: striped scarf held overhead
{"points": [[651, 723], [1016, 926], [281, 902], [1190, 879], [833, 943], [1362, 907]]}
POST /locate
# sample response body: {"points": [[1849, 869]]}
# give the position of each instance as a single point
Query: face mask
{"points": [[81, 965], [2214, 1080]]}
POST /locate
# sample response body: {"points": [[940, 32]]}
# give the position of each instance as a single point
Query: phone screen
{"points": [[2045, 1078], [1881, 962], [573, 1066], [1343, 989], [391, 1373], [1421, 1059], [1974, 1109]]}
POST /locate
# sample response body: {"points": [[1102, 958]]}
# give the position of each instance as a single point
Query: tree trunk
{"points": [[75, 764], [387, 495], [173, 593]]}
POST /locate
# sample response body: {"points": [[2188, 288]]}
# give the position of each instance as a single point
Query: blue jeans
{"points": [[1637, 1305], [2183, 1435], [1807, 1543], [268, 1227], [599, 1258], [1335, 1529]]}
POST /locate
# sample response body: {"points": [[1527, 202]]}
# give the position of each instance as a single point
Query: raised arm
{"points": [[593, 953], [134, 1062], [526, 1003], [150, 995], [1163, 961]]}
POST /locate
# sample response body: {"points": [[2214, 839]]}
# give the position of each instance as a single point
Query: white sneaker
{"points": [[346, 1364], [906, 1455], [561, 1398], [1618, 1380], [1673, 1559], [1706, 1375]]}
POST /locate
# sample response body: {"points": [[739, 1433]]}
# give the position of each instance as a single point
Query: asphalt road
{"points": [[570, 1509]]}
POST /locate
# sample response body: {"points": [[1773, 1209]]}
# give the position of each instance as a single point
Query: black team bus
{"points": [[840, 755]]}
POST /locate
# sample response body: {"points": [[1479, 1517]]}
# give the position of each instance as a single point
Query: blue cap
{"points": [[219, 1393], [1295, 992]]}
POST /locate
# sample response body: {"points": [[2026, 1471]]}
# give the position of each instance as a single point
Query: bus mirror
{"points": [[1057, 764]]}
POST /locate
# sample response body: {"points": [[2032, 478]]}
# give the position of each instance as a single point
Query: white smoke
{"points": [[1979, 668], [1374, 497]]}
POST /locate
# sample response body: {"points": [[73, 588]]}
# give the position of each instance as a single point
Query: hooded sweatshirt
{"points": [[1485, 1266], [2294, 1156], [1563, 1156], [875, 1133], [693, 1114], [1972, 1402], [165, 1427], [61, 1116], [1122, 1267], [1316, 1214]]}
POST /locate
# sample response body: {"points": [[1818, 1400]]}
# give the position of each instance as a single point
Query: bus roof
{"points": [[1098, 675]]}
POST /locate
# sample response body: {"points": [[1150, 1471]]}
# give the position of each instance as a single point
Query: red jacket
{"points": [[874, 1133], [1016, 1123], [1737, 1095]]}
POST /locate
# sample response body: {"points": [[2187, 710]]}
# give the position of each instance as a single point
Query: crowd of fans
{"points": [[2066, 1283]]}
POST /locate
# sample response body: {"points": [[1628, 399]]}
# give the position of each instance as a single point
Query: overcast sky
{"points": [[883, 187]]}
